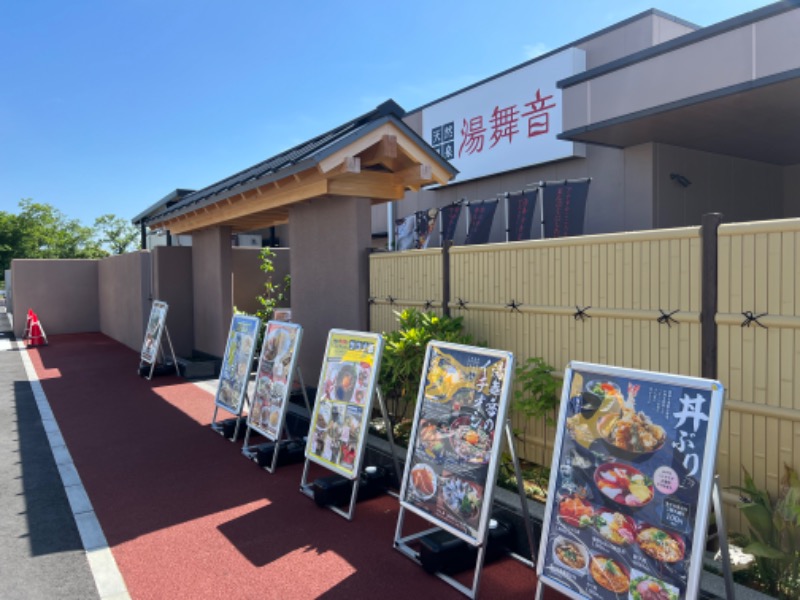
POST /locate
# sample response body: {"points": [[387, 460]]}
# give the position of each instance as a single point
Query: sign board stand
{"points": [[722, 535], [251, 451], [345, 395], [403, 543], [631, 485], [219, 427], [234, 374], [454, 451], [307, 488], [164, 355], [277, 368], [152, 346], [389, 433]]}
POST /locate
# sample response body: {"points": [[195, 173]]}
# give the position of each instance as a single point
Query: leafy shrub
{"points": [[404, 355], [774, 534], [272, 297], [536, 395]]}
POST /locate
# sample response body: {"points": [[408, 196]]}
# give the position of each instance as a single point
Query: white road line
{"points": [[107, 577]]}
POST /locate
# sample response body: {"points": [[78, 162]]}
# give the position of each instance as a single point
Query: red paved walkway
{"points": [[187, 516]]}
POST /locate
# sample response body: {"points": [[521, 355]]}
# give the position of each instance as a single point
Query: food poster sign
{"points": [[152, 335], [274, 378], [344, 401], [236, 362], [630, 485], [456, 437]]}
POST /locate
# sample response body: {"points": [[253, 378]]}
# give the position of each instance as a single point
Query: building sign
{"points": [[344, 401], [630, 485], [506, 123], [456, 438]]}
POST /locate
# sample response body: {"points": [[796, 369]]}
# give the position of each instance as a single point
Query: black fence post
{"points": [[709, 294], [446, 277]]}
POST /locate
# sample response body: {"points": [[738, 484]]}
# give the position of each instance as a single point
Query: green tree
{"points": [[116, 233], [43, 231], [48, 233]]}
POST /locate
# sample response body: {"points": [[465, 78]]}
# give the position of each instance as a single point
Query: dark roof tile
{"points": [[289, 158]]}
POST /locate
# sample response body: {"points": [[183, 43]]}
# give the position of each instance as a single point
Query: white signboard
{"points": [[630, 484], [155, 327], [344, 401], [506, 123], [274, 378], [455, 443]]}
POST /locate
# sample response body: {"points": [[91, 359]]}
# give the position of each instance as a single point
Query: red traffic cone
{"points": [[30, 319], [37, 336]]}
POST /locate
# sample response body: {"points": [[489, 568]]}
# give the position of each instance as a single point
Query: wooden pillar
{"points": [[710, 292]]}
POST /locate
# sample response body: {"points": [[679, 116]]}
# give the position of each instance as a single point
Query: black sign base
{"points": [[291, 452], [228, 427], [336, 490], [442, 552], [160, 369]]}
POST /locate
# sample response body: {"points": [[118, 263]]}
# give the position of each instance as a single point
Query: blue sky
{"points": [[108, 105]]}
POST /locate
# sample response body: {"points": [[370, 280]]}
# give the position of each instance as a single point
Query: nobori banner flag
{"points": [[480, 221], [564, 207], [450, 216], [520, 216]]}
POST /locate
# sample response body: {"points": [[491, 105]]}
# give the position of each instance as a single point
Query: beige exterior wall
{"points": [[172, 283], [63, 293], [791, 191], [114, 295], [740, 189], [640, 34], [620, 195], [124, 292], [737, 56], [249, 279], [330, 281]]}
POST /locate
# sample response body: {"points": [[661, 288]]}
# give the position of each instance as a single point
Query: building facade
{"points": [[669, 120]]}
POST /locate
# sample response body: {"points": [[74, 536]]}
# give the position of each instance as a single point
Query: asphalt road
{"points": [[41, 553]]}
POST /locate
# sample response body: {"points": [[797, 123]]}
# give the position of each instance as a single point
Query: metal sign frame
{"points": [[684, 486], [152, 343], [237, 362], [343, 350], [274, 378], [463, 396]]}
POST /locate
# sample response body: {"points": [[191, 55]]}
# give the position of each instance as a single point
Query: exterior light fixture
{"points": [[682, 180]]}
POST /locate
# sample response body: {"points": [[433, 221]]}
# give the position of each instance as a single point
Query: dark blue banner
{"points": [[480, 222], [450, 216], [520, 216], [564, 207]]}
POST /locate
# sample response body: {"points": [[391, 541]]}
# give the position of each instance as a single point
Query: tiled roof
{"points": [[293, 160], [169, 200]]}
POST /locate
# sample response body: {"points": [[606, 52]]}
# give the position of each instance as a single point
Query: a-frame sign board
{"points": [[234, 374], [631, 484], [274, 378], [153, 336], [454, 449], [343, 406]]}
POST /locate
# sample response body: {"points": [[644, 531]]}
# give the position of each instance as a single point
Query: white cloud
{"points": [[534, 50]]}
